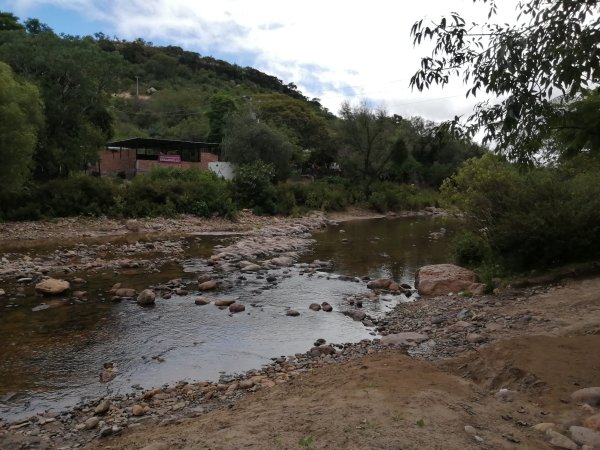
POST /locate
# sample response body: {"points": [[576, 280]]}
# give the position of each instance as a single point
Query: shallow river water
{"points": [[51, 358]]}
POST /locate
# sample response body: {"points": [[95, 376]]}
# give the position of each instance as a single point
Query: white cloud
{"points": [[328, 48]]}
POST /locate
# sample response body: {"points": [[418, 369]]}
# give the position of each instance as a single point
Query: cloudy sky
{"points": [[331, 49]]}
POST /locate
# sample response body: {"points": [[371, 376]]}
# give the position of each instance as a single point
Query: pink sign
{"points": [[169, 159]]}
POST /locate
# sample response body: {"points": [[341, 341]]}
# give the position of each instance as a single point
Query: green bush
{"points": [[469, 249], [169, 191], [253, 187], [539, 217], [76, 196], [387, 196]]}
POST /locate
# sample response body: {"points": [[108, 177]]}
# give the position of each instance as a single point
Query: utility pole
{"points": [[137, 86]]}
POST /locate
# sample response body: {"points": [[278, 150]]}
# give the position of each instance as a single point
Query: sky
{"points": [[333, 50]]}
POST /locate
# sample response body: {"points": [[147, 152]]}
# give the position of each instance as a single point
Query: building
{"points": [[129, 157]]}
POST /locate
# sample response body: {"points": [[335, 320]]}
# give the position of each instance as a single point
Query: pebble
{"points": [[292, 313], [91, 423], [102, 407]]}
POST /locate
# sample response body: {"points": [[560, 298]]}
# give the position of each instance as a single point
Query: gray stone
{"points": [[315, 307], [561, 441], [91, 423], [326, 307], [358, 315], [585, 436], [292, 313], [146, 298], [102, 407], [404, 339], [590, 395]]}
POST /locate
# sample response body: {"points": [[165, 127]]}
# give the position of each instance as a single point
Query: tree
{"points": [[247, 140], [220, 106], [368, 136], [20, 120], [75, 79], [8, 21], [552, 48]]}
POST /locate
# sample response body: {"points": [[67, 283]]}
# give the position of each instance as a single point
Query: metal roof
{"points": [[162, 144]]}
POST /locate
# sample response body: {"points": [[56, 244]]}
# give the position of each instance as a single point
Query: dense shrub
{"points": [[538, 217], [388, 196], [168, 191], [253, 187]]}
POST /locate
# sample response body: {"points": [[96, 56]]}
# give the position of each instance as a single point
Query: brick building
{"points": [[129, 157]]}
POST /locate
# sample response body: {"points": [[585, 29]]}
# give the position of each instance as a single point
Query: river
{"points": [[53, 351]]}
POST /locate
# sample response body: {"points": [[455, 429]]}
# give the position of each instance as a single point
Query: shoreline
{"points": [[454, 328]]}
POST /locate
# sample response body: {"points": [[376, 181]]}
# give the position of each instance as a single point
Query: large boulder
{"points": [[125, 292], [442, 279], [52, 286]]}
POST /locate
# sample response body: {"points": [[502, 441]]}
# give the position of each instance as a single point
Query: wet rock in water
{"points": [[80, 294], [125, 292], [91, 423], [319, 342], [442, 279], [52, 286], [2, 292], [590, 395], [246, 384], [326, 307], [271, 279], [292, 313], [382, 283], [282, 261], [592, 422], [146, 298], [404, 339], [315, 307], [208, 285], [201, 301], [251, 268], [102, 407], [224, 302], [41, 307], [203, 278], [585, 436], [108, 372], [236, 308], [78, 280], [358, 315]]}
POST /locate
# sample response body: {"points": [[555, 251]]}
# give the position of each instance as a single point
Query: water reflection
{"points": [[390, 248]]}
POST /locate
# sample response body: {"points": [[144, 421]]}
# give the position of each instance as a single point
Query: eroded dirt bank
{"points": [[490, 369]]}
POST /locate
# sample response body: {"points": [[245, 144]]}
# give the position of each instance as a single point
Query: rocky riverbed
{"points": [[476, 349]]}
